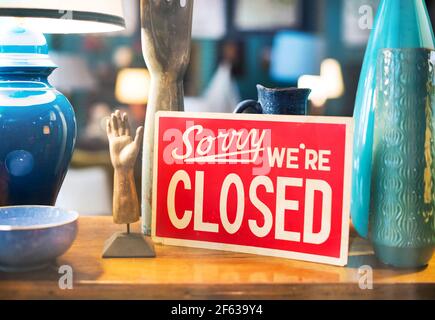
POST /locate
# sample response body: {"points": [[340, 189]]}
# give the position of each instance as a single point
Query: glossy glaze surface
{"points": [[399, 24], [402, 207], [37, 123]]}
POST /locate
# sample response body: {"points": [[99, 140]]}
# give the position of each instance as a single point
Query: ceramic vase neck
{"points": [[406, 22], [26, 75]]}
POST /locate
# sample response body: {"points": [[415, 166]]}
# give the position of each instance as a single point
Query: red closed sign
{"points": [[269, 185]]}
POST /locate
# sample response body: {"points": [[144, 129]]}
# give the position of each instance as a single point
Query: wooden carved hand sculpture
{"points": [[123, 153], [166, 37], [166, 41]]}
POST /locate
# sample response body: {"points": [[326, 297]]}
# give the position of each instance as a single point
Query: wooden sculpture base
{"points": [[128, 245]]}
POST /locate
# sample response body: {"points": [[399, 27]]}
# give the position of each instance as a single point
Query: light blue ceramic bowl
{"points": [[31, 237]]}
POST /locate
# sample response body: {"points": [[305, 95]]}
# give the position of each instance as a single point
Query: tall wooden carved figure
{"points": [[166, 39], [123, 153]]}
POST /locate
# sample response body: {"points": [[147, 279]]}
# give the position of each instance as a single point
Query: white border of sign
{"points": [[341, 261]]}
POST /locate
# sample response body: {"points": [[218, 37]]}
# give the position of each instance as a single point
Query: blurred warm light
{"points": [[123, 57], [331, 73], [132, 86], [329, 85], [318, 94]]}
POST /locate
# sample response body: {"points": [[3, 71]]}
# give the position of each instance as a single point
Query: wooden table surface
{"points": [[185, 273]]}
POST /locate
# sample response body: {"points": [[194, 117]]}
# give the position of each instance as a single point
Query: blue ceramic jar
{"points": [[37, 123], [283, 101]]}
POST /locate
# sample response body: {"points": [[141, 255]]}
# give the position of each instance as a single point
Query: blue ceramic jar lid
{"points": [[21, 47]]}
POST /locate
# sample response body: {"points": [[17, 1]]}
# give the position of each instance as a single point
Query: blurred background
{"points": [[237, 44]]}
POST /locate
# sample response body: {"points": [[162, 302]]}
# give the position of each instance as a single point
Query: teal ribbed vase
{"points": [[398, 24], [403, 181]]}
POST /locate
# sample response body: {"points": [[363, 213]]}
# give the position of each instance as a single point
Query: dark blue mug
{"points": [[285, 101]]}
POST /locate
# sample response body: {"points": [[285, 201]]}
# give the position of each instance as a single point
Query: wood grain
{"points": [[185, 273]]}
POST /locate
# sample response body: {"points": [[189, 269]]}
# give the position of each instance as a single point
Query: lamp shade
{"points": [[132, 86], [331, 72], [328, 85], [60, 16]]}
